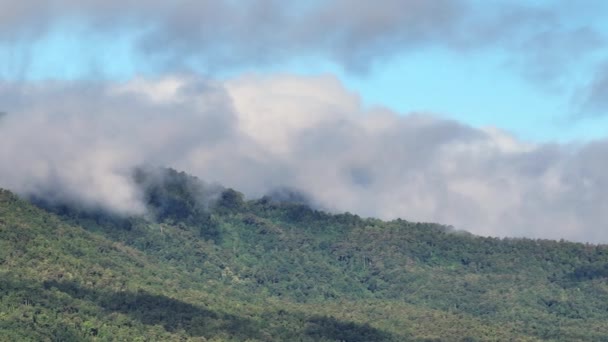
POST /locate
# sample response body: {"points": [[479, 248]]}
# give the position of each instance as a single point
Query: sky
{"points": [[491, 116]]}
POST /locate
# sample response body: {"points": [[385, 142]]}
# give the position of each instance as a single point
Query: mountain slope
{"points": [[208, 265], [60, 282]]}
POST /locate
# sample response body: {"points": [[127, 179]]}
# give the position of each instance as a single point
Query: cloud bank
{"points": [[80, 141]]}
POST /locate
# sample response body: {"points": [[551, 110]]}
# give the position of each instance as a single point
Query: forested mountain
{"points": [[204, 264]]}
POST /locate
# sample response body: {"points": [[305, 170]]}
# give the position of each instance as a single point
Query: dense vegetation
{"points": [[205, 264]]}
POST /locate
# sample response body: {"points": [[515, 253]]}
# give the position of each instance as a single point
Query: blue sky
{"points": [[490, 85]]}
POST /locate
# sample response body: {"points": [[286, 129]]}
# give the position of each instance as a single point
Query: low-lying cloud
{"points": [[80, 142]]}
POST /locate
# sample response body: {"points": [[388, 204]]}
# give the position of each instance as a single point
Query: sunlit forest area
{"points": [[205, 264]]}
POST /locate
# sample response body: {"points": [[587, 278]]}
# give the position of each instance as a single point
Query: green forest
{"points": [[205, 264]]}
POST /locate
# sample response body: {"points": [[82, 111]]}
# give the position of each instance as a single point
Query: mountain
{"points": [[204, 264]]}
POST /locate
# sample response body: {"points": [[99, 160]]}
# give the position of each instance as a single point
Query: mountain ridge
{"points": [[262, 270]]}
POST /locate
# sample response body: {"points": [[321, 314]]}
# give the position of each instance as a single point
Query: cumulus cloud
{"points": [[81, 141], [375, 162]]}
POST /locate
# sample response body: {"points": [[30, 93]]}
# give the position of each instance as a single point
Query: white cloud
{"points": [[254, 133]]}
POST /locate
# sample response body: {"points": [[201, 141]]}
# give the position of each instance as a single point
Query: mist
{"points": [[80, 142]]}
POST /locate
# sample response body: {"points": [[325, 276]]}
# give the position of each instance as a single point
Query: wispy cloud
{"points": [[593, 97], [354, 34]]}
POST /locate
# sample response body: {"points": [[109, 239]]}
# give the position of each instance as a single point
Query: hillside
{"points": [[206, 265]]}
